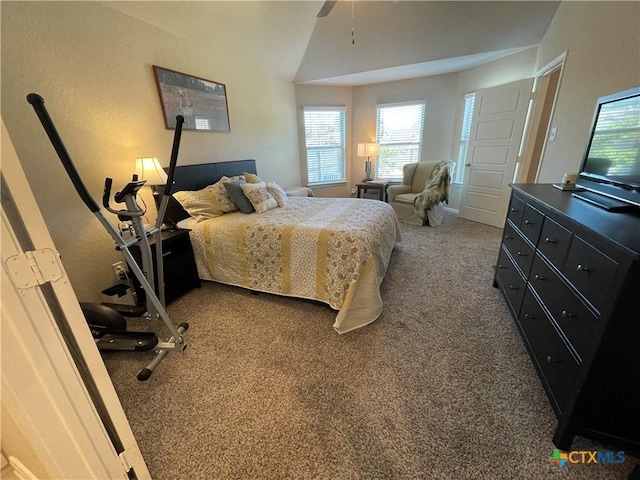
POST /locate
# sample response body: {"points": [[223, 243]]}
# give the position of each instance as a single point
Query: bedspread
{"points": [[327, 249]]}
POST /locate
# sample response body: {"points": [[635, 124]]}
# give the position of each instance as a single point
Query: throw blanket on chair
{"points": [[436, 190]]}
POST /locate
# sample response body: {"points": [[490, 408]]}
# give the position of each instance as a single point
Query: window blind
{"points": [[399, 130], [325, 134]]}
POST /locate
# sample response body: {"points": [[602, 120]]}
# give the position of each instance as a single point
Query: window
{"points": [[324, 131], [399, 132], [469, 101]]}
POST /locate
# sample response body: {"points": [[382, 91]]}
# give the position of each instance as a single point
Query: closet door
{"points": [[54, 384]]}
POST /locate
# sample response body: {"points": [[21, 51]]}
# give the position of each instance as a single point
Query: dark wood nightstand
{"points": [[180, 272], [380, 186]]}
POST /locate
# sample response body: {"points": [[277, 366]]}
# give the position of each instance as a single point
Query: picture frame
{"points": [[202, 102]]}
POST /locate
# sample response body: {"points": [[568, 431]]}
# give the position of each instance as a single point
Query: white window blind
{"points": [[325, 133], [469, 101], [399, 132]]}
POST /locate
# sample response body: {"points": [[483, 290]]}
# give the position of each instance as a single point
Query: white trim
{"points": [[311, 108], [402, 104], [554, 64]]}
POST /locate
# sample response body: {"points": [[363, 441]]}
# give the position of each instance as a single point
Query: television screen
{"points": [[611, 165]]}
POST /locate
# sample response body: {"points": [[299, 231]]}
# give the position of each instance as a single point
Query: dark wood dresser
{"points": [[570, 273]]}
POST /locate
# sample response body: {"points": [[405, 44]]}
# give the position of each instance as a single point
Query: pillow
{"points": [[251, 178], [278, 193], [222, 201], [260, 197], [200, 204], [238, 196]]}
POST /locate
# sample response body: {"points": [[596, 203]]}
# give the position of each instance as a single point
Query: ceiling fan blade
{"points": [[326, 8]]}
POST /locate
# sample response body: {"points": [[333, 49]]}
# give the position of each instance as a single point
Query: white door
{"points": [[54, 383], [499, 117]]}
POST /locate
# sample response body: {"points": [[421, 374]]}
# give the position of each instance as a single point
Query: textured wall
{"points": [[93, 66]]}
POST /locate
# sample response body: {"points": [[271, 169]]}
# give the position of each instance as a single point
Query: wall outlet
{"points": [[119, 272], [353, 190]]}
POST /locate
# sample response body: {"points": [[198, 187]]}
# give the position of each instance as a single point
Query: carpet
{"points": [[440, 386]]}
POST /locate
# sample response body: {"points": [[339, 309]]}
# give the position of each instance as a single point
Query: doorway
{"points": [[545, 92]]}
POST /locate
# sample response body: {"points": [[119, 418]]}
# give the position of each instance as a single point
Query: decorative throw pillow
{"points": [[251, 178], [260, 197], [278, 193], [200, 204], [221, 200], [238, 196]]}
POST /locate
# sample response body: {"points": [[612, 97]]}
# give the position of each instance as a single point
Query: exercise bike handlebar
{"points": [[38, 105], [174, 156]]}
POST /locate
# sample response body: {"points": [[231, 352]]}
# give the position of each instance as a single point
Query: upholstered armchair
{"points": [[424, 190]]}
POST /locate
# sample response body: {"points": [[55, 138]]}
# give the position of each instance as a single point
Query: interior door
{"points": [[497, 127], [54, 383]]}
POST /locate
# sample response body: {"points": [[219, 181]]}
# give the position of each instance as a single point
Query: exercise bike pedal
{"points": [[124, 340], [127, 310]]}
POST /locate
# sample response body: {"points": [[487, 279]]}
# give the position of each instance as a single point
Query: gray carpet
{"points": [[440, 386]]}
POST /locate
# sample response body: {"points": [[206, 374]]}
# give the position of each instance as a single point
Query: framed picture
{"points": [[202, 103]]}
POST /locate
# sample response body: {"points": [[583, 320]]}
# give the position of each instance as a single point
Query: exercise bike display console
{"points": [[106, 322]]}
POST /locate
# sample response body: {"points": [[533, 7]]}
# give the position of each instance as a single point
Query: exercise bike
{"points": [[106, 322]]}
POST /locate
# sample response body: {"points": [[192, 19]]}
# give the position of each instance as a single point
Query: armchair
{"points": [[425, 187]]}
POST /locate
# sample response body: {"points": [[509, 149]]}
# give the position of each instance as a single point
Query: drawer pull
{"points": [[553, 360], [166, 254], [550, 240], [514, 210], [520, 254], [501, 266], [508, 237], [566, 314], [528, 222], [539, 277], [529, 317], [582, 268], [513, 287]]}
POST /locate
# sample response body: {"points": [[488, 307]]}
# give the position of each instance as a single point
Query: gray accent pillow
{"points": [[237, 195]]}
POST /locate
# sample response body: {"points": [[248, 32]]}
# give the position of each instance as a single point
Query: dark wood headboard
{"points": [[196, 177]]}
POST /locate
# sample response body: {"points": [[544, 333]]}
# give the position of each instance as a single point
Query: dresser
{"points": [[570, 274]]}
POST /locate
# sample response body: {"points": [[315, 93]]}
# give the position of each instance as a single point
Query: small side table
{"points": [[381, 186], [180, 271]]}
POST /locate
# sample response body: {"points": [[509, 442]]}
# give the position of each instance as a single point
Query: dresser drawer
{"points": [[531, 223], [555, 362], [510, 280], [519, 249], [554, 242], [590, 271], [570, 314], [516, 210]]}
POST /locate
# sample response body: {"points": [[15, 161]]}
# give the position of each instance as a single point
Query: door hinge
{"points": [[33, 268], [129, 458]]}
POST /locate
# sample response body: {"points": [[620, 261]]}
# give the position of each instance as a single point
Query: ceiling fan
{"points": [[326, 8]]}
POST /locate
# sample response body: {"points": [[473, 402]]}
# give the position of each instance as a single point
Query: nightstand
{"points": [[373, 185], [180, 272]]}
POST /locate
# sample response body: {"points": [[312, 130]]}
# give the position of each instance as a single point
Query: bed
{"points": [[332, 250]]}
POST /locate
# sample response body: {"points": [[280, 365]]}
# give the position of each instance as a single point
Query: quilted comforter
{"points": [[335, 250]]}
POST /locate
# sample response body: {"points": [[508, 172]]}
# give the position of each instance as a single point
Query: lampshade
{"points": [[368, 149], [148, 169]]}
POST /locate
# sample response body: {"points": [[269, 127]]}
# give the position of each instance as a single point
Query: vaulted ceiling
{"points": [[393, 39]]}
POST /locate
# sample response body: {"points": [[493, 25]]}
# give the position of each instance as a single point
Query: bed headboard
{"points": [[196, 177]]}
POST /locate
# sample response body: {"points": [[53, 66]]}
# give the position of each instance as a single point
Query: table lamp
{"points": [[149, 170], [368, 150]]}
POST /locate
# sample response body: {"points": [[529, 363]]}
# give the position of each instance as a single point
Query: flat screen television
{"points": [[610, 170]]}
